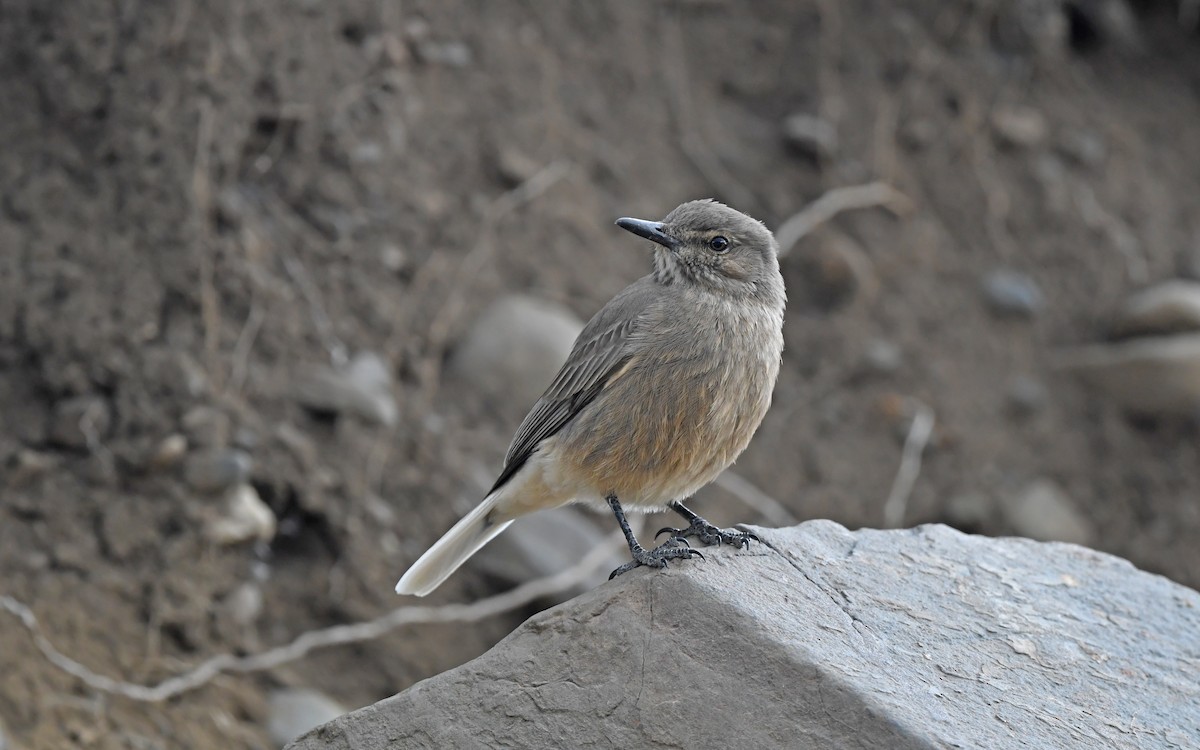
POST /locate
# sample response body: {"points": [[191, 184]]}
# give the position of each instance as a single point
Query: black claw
{"points": [[666, 529]]}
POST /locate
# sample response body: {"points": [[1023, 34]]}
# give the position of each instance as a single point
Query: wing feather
{"points": [[606, 346]]}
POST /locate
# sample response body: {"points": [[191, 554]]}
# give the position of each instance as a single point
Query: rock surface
{"points": [[822, 637]]}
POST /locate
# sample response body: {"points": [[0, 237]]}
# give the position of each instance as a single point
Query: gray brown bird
{"points": [[662, 391]]}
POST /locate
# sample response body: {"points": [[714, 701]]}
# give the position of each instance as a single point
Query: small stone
{"points": [[1021, 127], [1170, 307], [810, 135], [514, 348], [206, 427], [1153, 375], [80, 423], [246, 438], [244, 604], [1026, 395], [169, 451], [393, 258], [1084, 147], [514, 166], [362, 388], [1043, 511], [1013, 294], [215, 471], [882, 356], [918, 134], [28, 465], [450, 54], [368, 152], [293, 711], [246, 517]]}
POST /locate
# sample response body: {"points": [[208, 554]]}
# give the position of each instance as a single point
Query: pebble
{"points": [[246, 518], [1013, 294], [1084, 147], [1170, 307], [293, 711], [1042, 510], [1155, 375], [882, 356], [80, 423], [969, 511], [215, 471], [813, 136], [393, 258], [206, 427], [831, 271], [30, 464], [244, 604], [1022, 127], [169, 451], [513, 349], [363, 388]]}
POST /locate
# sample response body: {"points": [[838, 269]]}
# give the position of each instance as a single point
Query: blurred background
{"points": [[279, 279]]}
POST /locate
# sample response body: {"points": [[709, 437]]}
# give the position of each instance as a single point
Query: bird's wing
{"points": [[603, 350]]}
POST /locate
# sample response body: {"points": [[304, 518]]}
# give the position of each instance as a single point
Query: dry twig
{"points": [[910, 467], [833, 203], [338, 635]]}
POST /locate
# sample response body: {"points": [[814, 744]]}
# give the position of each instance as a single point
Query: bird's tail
{"points": [[453, 549]]}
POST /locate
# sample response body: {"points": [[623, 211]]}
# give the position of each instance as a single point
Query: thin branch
{"points": [[910, 467], [338, 635], [833, 203], [765, 505]]}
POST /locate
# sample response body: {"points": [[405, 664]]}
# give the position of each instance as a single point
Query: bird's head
{"points": [[709, 244]]}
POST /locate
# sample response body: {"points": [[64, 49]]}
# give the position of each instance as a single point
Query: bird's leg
{"points": [[705, 531], [655, 558]]}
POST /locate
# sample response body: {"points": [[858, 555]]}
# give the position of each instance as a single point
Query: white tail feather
{"points": [[452, 550]]}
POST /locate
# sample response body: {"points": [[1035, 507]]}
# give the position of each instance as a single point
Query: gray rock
{"points": [[168, 452], [1009, 293], [362, 388], [1026, 395], [543, 544], [515, 347], [1170, 307], [1084, 147], [244, 518], [1155, 375], [206, 427], [80, 423], [244, 605], [822, 637], [27, 465], [1022, 127], [882, 356], [216, 471], [293, 711], [811, 135], [1042, 510]]}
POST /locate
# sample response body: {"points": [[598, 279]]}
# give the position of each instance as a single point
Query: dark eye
{"points": [[718, 244]]}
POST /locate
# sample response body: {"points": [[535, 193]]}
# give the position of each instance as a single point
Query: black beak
{"points": [[651, 230]]}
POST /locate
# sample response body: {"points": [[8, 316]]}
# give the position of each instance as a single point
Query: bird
{"points": [[662, 390]]}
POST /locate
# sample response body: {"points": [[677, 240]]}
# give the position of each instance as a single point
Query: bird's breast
{"points": [[685, 407]]}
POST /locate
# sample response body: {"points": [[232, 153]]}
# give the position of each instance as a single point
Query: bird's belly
{"points": [[656, 436]]}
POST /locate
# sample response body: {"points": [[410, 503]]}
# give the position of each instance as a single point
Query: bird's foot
{"points": [[674, 549], [710, 535]]}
